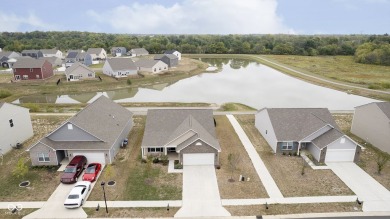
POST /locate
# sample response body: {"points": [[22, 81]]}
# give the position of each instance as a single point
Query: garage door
{"points": [[198, 159], [92, 157], [339, 155]]}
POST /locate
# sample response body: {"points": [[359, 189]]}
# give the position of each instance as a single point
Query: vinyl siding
{"points": [[75, 134], [264, 125]]}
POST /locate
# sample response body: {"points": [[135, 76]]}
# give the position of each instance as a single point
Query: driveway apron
{"points": [[375, 197], [200, 193]]}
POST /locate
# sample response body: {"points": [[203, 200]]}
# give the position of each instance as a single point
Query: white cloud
{"points": [[13, 22], [195, 16]]}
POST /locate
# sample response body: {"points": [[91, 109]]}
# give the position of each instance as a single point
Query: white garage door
{"points": [[339, 155], [92, 157], [198, 159]]}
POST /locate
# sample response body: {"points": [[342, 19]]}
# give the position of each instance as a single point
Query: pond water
{"points": [[238, 81]]}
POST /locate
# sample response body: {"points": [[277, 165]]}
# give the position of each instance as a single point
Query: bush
{"points": [[129, 81], [32, 106], [295, 153], [21, 169], [164, 160], [4, 94], [283, 153], [155, 160], [289, 153]]}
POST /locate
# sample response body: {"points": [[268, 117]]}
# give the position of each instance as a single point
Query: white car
{"points": [[77, 195]]}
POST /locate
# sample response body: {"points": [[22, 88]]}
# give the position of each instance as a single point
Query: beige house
{"points": [[78, 72], [15, 126], [152, 66], [371, 122]]}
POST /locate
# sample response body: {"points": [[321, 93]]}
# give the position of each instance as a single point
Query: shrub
{"points": [[128, 81], [4, 94], [289, 153], [164, 160], [155, 160], [283, 153], [295, 153], [32, 106], [21, 169]]}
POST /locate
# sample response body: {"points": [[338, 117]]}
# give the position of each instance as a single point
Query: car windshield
{"points": [[90, 169], [73, 196], [70, 170]]}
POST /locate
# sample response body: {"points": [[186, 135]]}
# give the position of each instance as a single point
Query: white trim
{"points": [[201, 140], [28, 149]]}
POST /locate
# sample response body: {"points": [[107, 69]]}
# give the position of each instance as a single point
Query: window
{"points": [[198, 143], [70, 127], [37, 76], [287, 145], [11, 123], [25, 77], [31, 70], [89, 74], [155, 150], [43, 157]]}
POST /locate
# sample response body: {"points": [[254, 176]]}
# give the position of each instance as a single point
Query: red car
{"points": [[92, 171], [73, 169]]}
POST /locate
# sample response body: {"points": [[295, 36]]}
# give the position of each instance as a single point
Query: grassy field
{"points": [[131, 212], [136, 180], [6, 214], [235, 107]]}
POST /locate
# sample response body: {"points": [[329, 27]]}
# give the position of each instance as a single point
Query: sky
{"points": [[198, 16]]}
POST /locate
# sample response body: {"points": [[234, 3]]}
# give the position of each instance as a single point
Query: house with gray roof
{"points": [[188, 134], [97, 53], [371, 122], [119, 67], [174, 52], [71, 57], [118, 51], [291, 130], [96, 132], [138, 52], [52, 53], [33, 53], [78, 72], [54, 61], [152, 66], [169, 59], [84, 58], [28, 68]]}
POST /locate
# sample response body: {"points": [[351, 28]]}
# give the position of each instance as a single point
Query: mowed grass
{"points": [[131, 212], [136, 180], [339, 68]]}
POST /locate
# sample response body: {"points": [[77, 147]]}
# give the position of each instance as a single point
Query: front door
{"points": [[70, 77], [17, 77]]}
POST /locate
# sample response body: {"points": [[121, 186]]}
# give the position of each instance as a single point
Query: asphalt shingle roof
{"points": [[29, 63], [385, 107], [170, 51], [139, 51], [49, 51], [96, 51], [146, 63], [72, 55], [75, 66], [118, 64]]}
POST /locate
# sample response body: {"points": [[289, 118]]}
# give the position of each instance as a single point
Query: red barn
{"points": [[32, 69]]}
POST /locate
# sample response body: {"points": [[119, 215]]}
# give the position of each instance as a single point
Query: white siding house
{"points": [[79, 71], [52, 53], [15, 126], [152, 66], [119, 67], [174, 52]]}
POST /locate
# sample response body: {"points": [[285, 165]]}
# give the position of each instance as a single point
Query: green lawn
{"points": [[99, 65]]}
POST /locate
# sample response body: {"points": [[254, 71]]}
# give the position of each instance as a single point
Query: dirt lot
{"points": [[43, 180], [231, 144], [368, 156], [136, 180], [278, 209], [286, 170]]}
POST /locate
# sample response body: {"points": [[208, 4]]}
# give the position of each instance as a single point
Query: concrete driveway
{"points": [[200, 193], [375, 196]]}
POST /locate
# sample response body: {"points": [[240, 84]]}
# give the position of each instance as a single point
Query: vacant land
{"points": [[236, 107], [136, 180], [130, 212], [231, 144], [287, 170], [369, 155], [5, 213], [43, 180], [277, 209]]}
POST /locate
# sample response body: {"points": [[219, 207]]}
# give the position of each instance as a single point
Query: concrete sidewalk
{"points": [[265, 177]]}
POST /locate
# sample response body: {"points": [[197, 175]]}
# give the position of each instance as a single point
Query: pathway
{"points": [[265, 177]]}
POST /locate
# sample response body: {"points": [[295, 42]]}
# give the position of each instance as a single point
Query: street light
{"points": [[104, 192]]}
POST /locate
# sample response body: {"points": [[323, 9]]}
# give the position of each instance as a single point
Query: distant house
{"points": [[32, 53], [54, 61], [95, 132], [119, 67], [7, 58], [15, 126], [174, 52], [52, 53], [32, 69], [84, 58], [169, 59], [188, 134], [118, 51], [78, 72], [97, 53], [138, 52], [371, 122], [152, 66], [71, 58], [290, 130], [9, 54]]}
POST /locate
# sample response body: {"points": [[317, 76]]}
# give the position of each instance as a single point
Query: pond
{"points": [[239, 81]]}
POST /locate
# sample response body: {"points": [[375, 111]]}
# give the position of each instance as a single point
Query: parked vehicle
{"points": [[74, 169], [92, 171], [77, 195]]}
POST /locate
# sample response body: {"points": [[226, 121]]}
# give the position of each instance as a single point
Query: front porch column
{"points": [[165, 151], [299, 147]]}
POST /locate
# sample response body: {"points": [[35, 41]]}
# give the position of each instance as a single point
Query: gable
{"points": [[70, 132]]}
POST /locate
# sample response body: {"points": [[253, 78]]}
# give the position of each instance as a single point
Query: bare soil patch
{"points": [[231, 144], [286, 170], [130, 212]]}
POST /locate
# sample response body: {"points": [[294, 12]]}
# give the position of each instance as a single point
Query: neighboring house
{"points": [[95, 132], [174, 52], [289, 130], [118, 51], [9, 54], [79, 71], [32, 69], [54, 61], [71, 58], [119, 67], [186, 133], [138, 52], [97, 53], [371, 122], [149, 65], [32, 53], [15, 126], [7, 58], [84, 58], [52, 53], [169, 59]]}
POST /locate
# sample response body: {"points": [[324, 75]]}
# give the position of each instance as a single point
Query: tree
{"points": [[233, 161], [21, 169], [381, 161]]}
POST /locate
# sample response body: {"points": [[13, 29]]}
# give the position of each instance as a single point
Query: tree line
{"points": [[371, 49]]}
